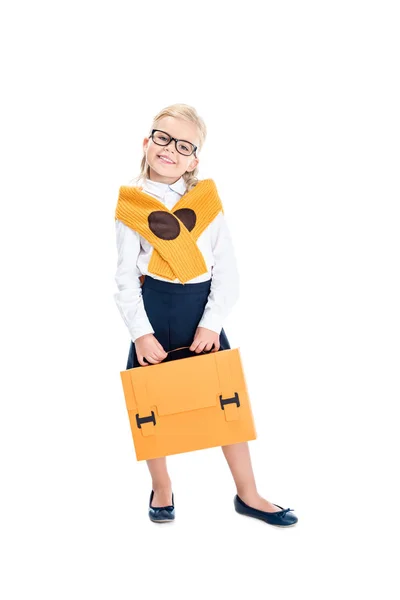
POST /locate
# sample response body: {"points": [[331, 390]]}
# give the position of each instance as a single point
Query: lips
{"points": [[167, 161]]}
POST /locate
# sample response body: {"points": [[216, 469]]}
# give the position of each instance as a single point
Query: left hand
{"points": [[204, 340]]}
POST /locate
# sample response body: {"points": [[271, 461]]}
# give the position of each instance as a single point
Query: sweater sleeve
{"points": [[129, 298], [224, 291]]}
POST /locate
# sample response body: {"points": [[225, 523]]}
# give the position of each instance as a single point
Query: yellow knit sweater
{"points": [[173, 234]]}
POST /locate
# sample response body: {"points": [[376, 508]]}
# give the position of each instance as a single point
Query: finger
{"points": [[194, 345], [161, 353], [216, 347], [209, 346], [200, 347], [150, 359], [158, 352], [159, 346], [141, 361]]}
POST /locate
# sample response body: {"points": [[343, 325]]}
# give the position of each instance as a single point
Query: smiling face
{"points": [[169, 171]]}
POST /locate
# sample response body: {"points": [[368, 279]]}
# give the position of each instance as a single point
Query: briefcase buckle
{"points": [[140, 420], [230, 407], [234, 400]]}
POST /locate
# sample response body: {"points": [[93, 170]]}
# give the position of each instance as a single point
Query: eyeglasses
{"points": [[161, 138]]}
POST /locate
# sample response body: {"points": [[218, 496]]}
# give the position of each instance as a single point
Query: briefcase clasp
{"points": [[231, 412], [140, 420], [235, 400]]}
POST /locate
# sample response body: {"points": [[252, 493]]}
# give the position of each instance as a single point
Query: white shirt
{"points": [[134, 254]]}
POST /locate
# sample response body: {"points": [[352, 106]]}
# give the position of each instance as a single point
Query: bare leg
{"points": [[161, 482], [239, 461]]}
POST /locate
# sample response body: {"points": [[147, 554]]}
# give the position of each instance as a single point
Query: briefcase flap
{"points": [[184, 384]]}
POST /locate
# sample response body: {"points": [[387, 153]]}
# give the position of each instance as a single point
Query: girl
{"points": [[183, 302]]}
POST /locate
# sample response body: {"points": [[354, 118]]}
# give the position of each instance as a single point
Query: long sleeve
{"points": [[224, 291], [129, 299]]}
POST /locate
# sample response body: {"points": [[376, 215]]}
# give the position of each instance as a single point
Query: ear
{"points": [[145, 143], [193, 164]]}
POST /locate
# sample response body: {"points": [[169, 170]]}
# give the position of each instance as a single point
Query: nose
{"points": [[173, 145]]}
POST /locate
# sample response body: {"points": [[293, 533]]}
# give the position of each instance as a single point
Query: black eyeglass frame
{"points": [[176, 142]]}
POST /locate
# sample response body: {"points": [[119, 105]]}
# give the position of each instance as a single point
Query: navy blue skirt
{"points": [[174, 311]]}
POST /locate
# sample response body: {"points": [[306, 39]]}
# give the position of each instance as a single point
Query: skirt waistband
{"points": [[176, 288]]}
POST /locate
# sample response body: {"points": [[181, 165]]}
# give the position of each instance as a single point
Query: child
{"points": [[182, 301]]}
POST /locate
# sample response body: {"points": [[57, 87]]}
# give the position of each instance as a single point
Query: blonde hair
{"points": [[179, 111]]}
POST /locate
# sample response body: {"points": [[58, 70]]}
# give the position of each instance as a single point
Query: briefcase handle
{"points": [[182, 348]]}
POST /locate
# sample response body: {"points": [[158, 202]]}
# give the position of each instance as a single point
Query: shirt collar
{"points": [[160, 189]]}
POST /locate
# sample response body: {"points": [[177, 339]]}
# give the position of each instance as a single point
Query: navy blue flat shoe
{"points": [[281, 518], [161, 514]]}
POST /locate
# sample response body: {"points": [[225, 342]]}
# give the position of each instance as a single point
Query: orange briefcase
{"points": [[188, 404]]}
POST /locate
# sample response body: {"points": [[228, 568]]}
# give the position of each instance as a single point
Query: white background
{"points": [[301, 101]]}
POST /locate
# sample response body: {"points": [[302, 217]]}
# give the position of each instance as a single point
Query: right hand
{"points": [[149, 347]]}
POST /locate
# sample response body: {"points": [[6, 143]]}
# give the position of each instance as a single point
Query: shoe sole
{"points": [[264, 521], [162, 520]]}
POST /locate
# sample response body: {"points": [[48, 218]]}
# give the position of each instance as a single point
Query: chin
{"points": [[160, 168]]}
